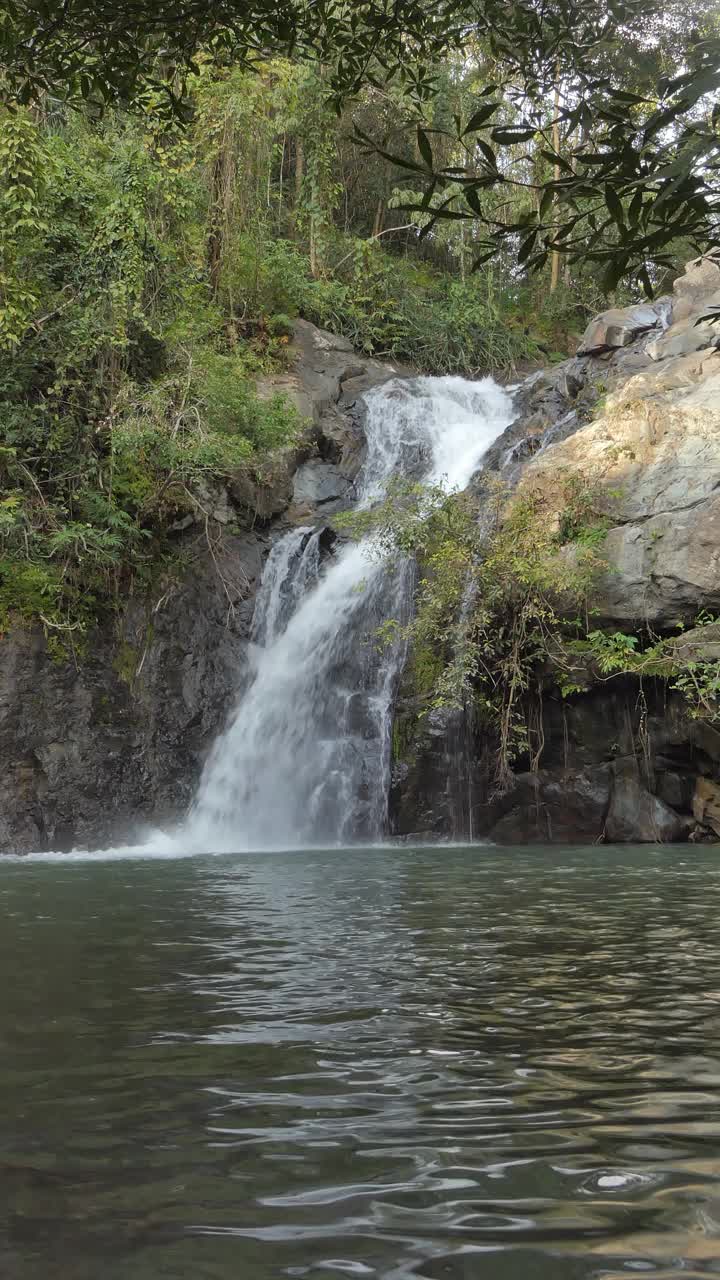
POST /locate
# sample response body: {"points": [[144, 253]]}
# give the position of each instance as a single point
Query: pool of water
{"points": [[370, 1063]]}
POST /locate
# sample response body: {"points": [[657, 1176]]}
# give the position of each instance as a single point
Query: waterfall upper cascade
{"points": [[305, 758]]}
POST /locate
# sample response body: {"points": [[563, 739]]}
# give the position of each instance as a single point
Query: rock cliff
{"points": [[637, 414], [91, 750]]}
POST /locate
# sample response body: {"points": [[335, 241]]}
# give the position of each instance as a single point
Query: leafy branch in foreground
{"points": [[617, 162], [634, 173], [112, 51], [674, 659]]}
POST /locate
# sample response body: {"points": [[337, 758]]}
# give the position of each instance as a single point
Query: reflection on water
{"points": [[441, 1064]]}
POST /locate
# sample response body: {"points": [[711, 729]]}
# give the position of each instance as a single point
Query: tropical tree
{"points": [[629, 170]]}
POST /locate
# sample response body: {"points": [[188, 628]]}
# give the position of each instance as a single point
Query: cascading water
{"points": [[305, 758]]}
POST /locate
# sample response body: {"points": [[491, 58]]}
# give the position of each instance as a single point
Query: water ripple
{"points": [[421, 1064]]}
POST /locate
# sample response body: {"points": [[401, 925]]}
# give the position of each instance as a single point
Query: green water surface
{"points": [[363, 1063]]}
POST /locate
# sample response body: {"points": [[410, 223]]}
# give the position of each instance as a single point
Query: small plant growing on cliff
{"points": [[696, 679], [495, 588], [613, 652]]}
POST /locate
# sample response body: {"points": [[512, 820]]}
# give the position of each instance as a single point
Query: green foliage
{"points": [[583, 130], [699, 683], [581, 521], [149, 271], [23, 164], [610, 144], [502, 601], [30, 590], [614, 651], [123, 394], [696, 679], [438, 324], [494, 594]]}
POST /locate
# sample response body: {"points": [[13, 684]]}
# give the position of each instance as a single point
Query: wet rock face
{"points": [[636, 413], [92, 751], [611, 772], [320, 483], [635, 814], [548, 808]]}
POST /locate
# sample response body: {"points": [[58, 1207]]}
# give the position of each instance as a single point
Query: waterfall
{"points": [[305, 758]]}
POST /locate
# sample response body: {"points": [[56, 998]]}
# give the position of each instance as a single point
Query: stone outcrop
{"points": [[318, 483], [636, 814], [636, 414], [654, 450], [706, 804], [622, 325], [93, 749], [326, 382]]}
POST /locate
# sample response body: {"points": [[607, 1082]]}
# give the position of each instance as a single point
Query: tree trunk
{"points": [[282, 175], [222, 204], [462, 252], [299, 180], [379, 218], [314, 256], [215, 231], [555, 257]]}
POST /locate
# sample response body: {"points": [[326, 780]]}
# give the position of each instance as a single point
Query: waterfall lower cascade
{"points": [[305, 759]]}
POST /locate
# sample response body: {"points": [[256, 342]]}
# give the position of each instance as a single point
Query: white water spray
{"points": [[305, 758]]}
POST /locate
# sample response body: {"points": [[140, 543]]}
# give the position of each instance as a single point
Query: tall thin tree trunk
{"points": [[222, 191], [215, 231], [555, 257], [379, 218], [314, 257], [299, 180], [462, 252], [282, 175]]}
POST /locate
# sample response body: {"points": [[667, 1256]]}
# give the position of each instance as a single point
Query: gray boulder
{"points": [[702, 276], [699, 644], [317, 483], [683, 338], [706, 804], [655, 451], [620, 326], [635, 816], [563, 807]]}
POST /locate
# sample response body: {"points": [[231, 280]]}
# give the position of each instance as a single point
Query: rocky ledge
{"points": [[637, 414]]}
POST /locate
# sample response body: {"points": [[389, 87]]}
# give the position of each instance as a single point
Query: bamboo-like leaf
{"points": [[506, 136], [424, 147], [527, 246], [479, 117], [615, 207], [488, 153]]}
